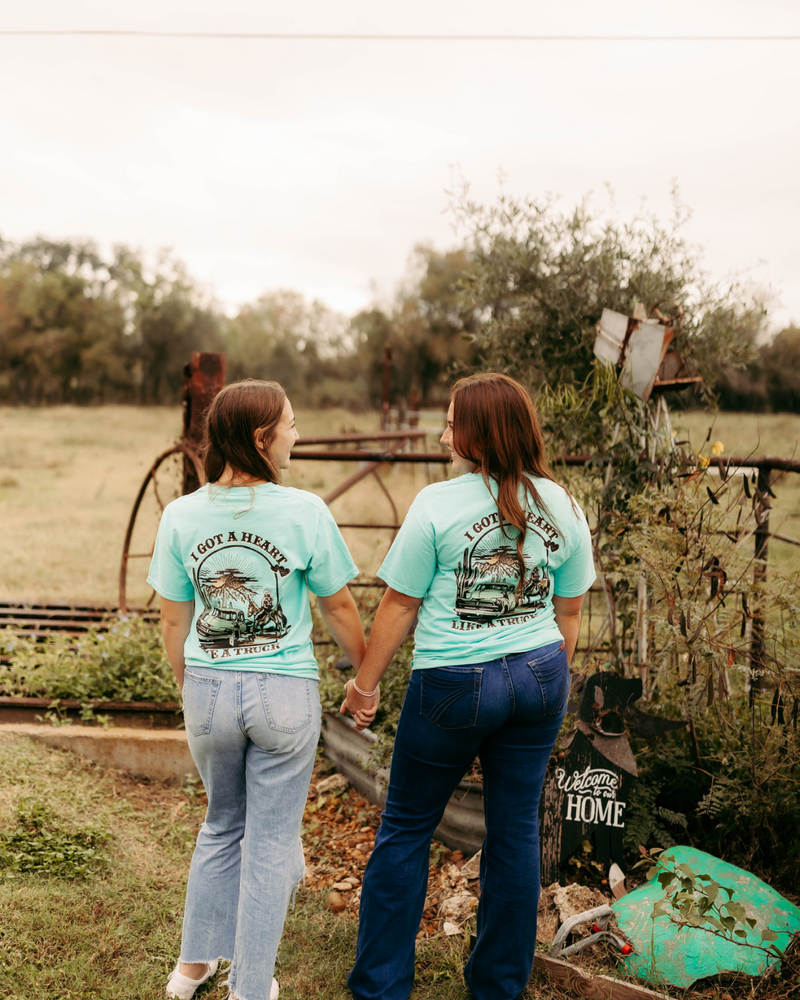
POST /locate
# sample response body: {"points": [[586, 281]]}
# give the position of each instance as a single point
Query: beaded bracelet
{"points": [[365, 694]]}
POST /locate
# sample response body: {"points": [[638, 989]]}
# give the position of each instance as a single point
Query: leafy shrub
{"points": [[734, 771], [125, 663], [692, 899], [649, 823], [40, 844]]}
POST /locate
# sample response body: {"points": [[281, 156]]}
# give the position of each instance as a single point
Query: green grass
{"points": [[311, 930], [112, 934], [743, 434], [115, 934]]}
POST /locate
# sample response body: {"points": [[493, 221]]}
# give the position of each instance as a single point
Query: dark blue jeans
{"points": [[508, 712]]}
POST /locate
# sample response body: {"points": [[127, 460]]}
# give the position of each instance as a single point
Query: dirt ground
{"points": [[339, 828]]}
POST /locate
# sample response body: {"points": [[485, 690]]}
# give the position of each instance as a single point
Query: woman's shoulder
{"points": [[550, 488], [557, 498], [224, 500], [296, 496], [449, 488], [186, 503]]}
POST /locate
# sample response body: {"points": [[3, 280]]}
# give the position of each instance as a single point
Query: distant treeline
{"points": [[770, 383], [80, 326]]}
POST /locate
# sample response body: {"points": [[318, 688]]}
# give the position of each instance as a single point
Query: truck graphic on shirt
{"points": [[487, 578], [240, 591]]}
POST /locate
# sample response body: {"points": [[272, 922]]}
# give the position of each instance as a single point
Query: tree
{"points": [[62, 325], [373, 332], [76, 327], [168, 319], [541, 277], [780, 363], [428, 330], [538, 284], [770, 382], [284, 338]]}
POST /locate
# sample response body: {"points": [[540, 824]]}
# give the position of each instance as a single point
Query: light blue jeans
{"points": [[253, 737]]}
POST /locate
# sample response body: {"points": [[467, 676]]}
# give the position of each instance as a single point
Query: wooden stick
{"points": [[598, 987]]}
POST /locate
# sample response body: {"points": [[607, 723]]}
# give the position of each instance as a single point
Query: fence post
{"points": [[386, 388], [761, 536], [642, 652], [203, 377], [413, 416]]}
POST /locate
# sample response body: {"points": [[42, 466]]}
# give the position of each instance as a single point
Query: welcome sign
{"points": [[592, 796], [589, 779]]}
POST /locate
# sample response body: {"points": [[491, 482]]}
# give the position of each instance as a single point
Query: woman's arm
{"points": [[393, 619], [176, 620], [568, 619], [341, 614]]}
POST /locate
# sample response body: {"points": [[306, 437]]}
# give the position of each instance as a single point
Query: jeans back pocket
{"points": [[449, 696], [551, 670], [287, 701], [199, 696]]}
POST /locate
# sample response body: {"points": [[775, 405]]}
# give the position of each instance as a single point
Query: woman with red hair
{"points": [[494, 564]]}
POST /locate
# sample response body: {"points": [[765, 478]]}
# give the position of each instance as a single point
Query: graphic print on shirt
{"points": [[488, 574], [240, 590]]}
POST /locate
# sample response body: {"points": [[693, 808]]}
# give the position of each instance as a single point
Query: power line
{"points": [[327, 37]]}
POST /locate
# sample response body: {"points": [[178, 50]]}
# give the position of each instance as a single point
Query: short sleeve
{"points": [[168, 575], [410, 564], [576, 574], [331, 566]]}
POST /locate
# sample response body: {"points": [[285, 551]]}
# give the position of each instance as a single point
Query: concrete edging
{"points": [[160, 754]]}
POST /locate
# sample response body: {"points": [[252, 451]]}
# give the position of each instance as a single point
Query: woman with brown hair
{"points": [[495, 564], [234, 563]]}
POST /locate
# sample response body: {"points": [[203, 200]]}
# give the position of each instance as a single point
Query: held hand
{"points": [[362, 709]]}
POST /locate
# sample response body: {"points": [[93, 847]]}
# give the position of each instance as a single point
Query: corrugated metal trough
{"points": [[462, 827]]}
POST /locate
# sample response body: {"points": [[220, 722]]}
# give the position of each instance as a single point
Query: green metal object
{"points": [[669, 950]]}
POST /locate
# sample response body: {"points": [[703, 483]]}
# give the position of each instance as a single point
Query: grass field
{"points": [[749, 435], [122, 934], [68, 478], [115, 934]]}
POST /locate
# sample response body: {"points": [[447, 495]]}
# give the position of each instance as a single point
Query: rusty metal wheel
{"points": [[162, 484]]}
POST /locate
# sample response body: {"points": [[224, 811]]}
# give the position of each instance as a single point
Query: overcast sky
{"points": [[317, 165]]}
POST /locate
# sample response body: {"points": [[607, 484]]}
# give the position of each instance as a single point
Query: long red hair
{"points": [[496, 426]]}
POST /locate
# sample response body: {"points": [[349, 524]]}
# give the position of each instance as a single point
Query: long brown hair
{"points": [[496, 426], [237, 412]]}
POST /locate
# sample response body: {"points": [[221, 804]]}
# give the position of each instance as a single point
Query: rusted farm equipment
{"points": [[204, 376], [643, 348]]}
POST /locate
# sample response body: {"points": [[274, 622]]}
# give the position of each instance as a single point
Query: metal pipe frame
{"points": [[366, 436]]}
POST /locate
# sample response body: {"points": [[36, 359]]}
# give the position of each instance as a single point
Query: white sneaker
{"points": [[183, 987]]}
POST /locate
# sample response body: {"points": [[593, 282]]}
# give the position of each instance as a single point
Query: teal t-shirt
{"points": [[452, 552], [247, 557]]}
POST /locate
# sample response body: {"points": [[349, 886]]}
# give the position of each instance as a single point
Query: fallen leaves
{"points": [[335, 902], [339, 828]]}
